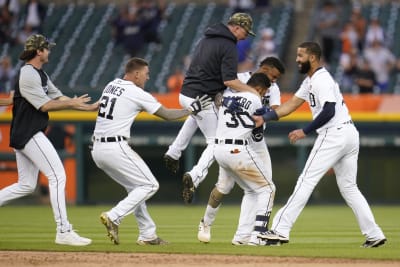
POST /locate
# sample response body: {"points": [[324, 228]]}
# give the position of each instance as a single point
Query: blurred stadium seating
{"points": [[86, 58]]}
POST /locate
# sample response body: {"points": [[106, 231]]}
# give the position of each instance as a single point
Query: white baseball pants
{"points": [[337, 148], [183, 138], [126, 167], [207, 122], [252, 173], [40, 155]]}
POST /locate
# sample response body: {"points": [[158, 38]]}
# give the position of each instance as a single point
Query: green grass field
{"points": [[320, 231]]}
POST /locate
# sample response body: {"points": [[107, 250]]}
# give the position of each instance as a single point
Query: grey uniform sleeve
{"points": [[31, 88], [54, 92]]}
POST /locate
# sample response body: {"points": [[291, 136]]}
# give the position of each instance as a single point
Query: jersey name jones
{"points": [[114, 90]]}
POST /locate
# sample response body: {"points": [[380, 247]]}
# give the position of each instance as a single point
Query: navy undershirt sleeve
{"points": [[327, 113]]}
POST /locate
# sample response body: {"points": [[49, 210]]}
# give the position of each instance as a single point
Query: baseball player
{"points": [[121, 101], [35, 95], [273, 68], [336, 146], [244, 159], [212, 69]]}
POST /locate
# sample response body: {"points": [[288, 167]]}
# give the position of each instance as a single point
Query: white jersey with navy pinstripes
{"points": [[321, 88], [238, 125], [120, 103]]}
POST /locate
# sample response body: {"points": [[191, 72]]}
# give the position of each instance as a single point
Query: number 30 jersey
{"points": [[120, 103], [238, 125]]}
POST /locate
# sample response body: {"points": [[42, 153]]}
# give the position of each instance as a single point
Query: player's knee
{"points": [[225, 188], [349, 188], [272, 188], [156, 186], [58, 178], [27, 188], [153, 188]]}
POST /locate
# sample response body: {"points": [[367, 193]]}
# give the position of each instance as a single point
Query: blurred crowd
{"points": [[137, 24], [357, 43], [11, 31], [360, 45], [17, 22]]}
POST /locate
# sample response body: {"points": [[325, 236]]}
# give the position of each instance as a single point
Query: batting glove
{"points": [[231, 103], [261, 111], [200, 104]]}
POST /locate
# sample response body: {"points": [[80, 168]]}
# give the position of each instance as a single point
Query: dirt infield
{"points": [[85, 259]]}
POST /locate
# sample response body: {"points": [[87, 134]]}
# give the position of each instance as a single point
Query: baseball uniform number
{"points": [[104, 106], [239, 117]]}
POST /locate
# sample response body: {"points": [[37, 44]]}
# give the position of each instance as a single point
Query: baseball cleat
{"points": [[272, 243], [204, 234], [188, 188], [373, 243], [257, 242], [71, 238], [239, 243], [171, 164], [112, 228], [156, 241], [273, 236]]}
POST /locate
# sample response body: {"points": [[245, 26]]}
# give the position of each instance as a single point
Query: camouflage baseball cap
{"points": [[243, 20], [37, 41]]}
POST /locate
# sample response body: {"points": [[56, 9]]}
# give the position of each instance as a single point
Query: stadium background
{"points": [[85, 59]]}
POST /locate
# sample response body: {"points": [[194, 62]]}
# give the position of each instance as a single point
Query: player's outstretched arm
{"points": [[282, 111], [76, 103], [197, 105]]}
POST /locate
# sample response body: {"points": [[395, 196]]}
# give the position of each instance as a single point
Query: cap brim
{"points": [[251, 33], [50, 45]]}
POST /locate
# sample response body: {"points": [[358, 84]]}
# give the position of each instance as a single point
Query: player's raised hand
{"points": [[200, 104]]}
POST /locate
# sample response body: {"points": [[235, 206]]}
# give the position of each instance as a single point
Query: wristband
{"points": [[270, 116]]}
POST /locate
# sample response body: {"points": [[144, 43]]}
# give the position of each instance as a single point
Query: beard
{"points": [[304, 67]]}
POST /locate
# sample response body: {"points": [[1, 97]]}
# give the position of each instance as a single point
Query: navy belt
{"points": [[110, 139], [231, 141]]}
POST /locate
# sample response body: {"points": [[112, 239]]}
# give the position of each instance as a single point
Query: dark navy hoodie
{"points": [[214, 61]]}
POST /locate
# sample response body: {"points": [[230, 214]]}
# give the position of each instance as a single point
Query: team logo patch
{"points": [[235, 151]]}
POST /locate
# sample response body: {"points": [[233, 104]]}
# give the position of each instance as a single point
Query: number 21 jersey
{"points": [[120, 103]]}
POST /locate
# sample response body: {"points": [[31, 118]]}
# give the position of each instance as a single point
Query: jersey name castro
{"points": [[120, 103], [238, 125]]}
